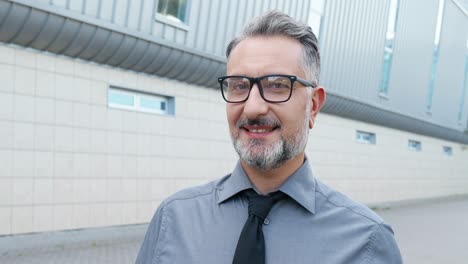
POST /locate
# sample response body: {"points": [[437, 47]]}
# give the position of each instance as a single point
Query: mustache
{"points": [[261, 121]]}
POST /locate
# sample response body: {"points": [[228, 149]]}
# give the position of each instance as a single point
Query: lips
{"points": [[258, 129]]}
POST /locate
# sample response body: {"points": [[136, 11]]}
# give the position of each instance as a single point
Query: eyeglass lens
{"points": [[275, 88]]}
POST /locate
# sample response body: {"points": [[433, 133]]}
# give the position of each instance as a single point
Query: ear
{"points": [[318, 100]]}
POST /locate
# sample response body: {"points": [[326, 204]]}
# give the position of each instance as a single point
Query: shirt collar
{"points": [[300, 186], [235, 183]]}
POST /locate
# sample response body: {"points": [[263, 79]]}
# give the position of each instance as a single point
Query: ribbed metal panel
{"points": [[450, 68], [351, 56], [32, 27], [206, 18], [412, 57]]}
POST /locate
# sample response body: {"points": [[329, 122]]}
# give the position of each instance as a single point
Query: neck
{"points": [[268, 181]]}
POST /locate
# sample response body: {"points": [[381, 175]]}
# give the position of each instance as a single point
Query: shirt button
{"points": [[266, 221]]}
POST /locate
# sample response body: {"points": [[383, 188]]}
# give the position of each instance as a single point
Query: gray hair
{"points": [[278, 23]]}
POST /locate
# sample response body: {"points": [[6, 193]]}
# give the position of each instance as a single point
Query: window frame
{"points": [[137, 97], [163, 18], [414, 145], [371, 141]]}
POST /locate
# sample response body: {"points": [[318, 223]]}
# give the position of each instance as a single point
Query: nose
{"points": [[255, 106]]}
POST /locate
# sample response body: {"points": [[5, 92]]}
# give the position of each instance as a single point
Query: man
{"points": [[270, 209]]}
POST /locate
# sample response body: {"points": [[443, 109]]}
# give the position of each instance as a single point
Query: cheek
{"points": [[233, 114], [292, 118]]}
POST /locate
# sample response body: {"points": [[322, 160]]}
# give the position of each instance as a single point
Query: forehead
{"points": [[262, 55]]}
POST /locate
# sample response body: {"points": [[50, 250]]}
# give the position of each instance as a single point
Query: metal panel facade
{"points": [[412, 58], [352, 46], [450, 68], [211, 23]]}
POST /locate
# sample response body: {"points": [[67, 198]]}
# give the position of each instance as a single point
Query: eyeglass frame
{"points": [[256, 80]]}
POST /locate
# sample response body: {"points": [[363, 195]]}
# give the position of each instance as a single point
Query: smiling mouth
{"points": [[259, 129]]}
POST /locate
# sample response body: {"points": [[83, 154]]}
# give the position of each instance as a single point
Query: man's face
{"points": [[265, 135]]}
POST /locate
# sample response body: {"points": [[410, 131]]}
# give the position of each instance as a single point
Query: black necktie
{"points": [[251, 245]]}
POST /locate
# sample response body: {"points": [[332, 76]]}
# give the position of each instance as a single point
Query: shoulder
{"points": [[193, 194], [333, 200]]}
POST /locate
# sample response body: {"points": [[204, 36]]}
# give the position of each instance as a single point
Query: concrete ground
{"points": [[430, 232], [433, 232]]}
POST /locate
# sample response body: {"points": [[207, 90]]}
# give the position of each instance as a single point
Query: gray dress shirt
{"points": [[315, 224]]}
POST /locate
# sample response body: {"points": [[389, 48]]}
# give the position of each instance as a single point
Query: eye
{"points": [[278, 85], [238, 85]]}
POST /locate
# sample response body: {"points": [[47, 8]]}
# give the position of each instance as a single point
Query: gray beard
{"points": [[269, 157]]}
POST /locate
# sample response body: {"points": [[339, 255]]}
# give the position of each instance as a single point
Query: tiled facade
{"points": [[69, 161]]}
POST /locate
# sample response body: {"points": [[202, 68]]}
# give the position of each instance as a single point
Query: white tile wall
{"points": [[23, 163], [6, 71], [6, 101], [98, 117], [44, 164], [42, 215], [63, 217], [45, 84], [63, 165], [23, 135], [114, 214], [81, 115], [6, 192], [98, 163], [129, 212], [6, 134], [25, 59], [64, 87], [25, 81], [44, 137], [46, 62], [6, 156], [81, 165], [81, 215], [81, 140], [7, 54], [99, 215], [22, 219], [5, 216], [63, 190], [63, 138], [44, 110], [98, 92], [82, 90], [43, 191], [114, 142], [114, 166], [70, 161], [63, 113], [23, 108]]}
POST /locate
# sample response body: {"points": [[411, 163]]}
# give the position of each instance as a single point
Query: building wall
{"points": [[204, 18], [352, 45], [352, 40], [69, 161]]}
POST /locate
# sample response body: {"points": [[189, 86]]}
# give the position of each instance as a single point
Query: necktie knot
{"points": [[251, 245], [260, 205]]}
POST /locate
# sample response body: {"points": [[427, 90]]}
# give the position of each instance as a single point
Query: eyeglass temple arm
{"points": [[306, 82]]}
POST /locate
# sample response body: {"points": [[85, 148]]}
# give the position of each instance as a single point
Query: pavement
{"points": [[434, 232], [429, 232]]}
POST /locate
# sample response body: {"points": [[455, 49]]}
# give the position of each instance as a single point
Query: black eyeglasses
{"points": [[275, 88]]}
